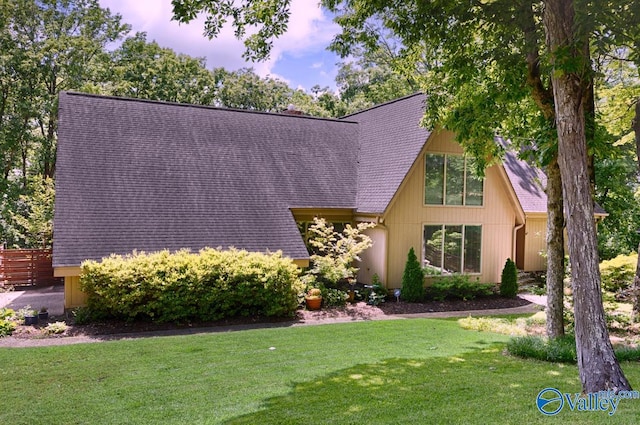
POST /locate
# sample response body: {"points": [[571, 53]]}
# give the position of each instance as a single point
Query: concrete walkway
{"points": [[51, 297]]}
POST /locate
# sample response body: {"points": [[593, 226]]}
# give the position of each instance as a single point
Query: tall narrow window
{"points": [[433, 239], [472, 242], [455, 180], [449, 180], [452, 249], [434, 187]]}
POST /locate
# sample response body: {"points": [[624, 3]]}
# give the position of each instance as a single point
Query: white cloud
{"points": [[309, 31]]}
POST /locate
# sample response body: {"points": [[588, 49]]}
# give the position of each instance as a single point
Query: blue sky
{"points": [[299, 57]]}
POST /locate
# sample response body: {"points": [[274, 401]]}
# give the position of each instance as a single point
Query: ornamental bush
{"points": [[618, 273], [412, 279], [509, 281], [210, 285], [458, 287]]}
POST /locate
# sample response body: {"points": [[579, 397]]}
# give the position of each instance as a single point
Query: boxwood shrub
{"points": [[182, 286]]}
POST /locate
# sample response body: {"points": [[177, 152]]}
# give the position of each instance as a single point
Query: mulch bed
{"points": [[358, 311], [484, 303]]}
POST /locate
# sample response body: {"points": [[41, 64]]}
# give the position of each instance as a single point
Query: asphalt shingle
{"points": [[142, 175]]}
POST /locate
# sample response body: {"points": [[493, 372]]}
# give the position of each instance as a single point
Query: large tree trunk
{"points": [[555, 251], [635, 314], [543, 97], [597, 364]]}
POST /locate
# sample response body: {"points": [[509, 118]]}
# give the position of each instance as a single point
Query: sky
{"points": [[299, 57]]}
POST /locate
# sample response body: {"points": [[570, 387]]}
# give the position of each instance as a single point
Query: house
{"points": [[144, 175]]}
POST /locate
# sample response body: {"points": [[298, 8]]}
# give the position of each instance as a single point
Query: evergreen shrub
{"points": [[412, 279], [210, 285], [509, 281]]}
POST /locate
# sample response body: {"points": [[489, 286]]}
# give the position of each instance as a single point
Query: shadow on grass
{"points": [[480, 387]]}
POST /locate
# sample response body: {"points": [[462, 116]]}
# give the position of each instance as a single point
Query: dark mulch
{"points": [[484, 303], [359, 311]]}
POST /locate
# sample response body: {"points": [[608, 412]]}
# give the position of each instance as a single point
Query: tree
{"points": [[143, 69], [412, 279], [244, 89], [509, 280], [498, 82], [46, 46], [335, 253], [568, 46]]}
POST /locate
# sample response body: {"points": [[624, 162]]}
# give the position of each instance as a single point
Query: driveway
{"points": [[51, 297]]}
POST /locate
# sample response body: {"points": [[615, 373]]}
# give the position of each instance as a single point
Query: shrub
{"points": [[210, 285], [56, 328], [6, 313], [412, 279], [559, 350], [6, 327], [336, 252], [618, 273], [333, 297], [458, 287], [509, 281]]}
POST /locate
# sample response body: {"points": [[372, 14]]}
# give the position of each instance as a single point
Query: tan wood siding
{"points": [[535, 244], [73, 296], [374, 259], [407, 215]]}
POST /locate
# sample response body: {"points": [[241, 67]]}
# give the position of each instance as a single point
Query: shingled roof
{"points": [[528, 183], [145, 175], [135, 174], [390, 140]]}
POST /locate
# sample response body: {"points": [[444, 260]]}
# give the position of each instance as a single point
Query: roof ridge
{"points": [[193, 105], [379, 105]]}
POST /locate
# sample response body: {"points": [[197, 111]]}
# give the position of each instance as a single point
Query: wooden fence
{"points": [[26, 267]]}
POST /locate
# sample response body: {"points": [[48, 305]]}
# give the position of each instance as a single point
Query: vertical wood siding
{"points": [[535, 244], [408, 214], [73, 296], [374, 259]]}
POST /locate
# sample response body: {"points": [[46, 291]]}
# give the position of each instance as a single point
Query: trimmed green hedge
{"points": [[210, 285]]}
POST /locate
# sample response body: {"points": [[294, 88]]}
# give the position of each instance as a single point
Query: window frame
{"points": [[444, 182], [443, 227]]}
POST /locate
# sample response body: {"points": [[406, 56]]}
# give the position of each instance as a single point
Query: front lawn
{"points": [[397, 371]]}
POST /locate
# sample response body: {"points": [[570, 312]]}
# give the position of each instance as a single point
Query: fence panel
{"points": [[26, 267]]}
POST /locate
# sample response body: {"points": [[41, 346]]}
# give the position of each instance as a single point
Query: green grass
{"points": [[400, 371]]}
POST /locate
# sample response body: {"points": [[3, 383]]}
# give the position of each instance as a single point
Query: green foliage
{"points": [[55, 328], [509, 280], [210, 285], [7, 321], [336, 252], [618, 273], [82, 316], [493, 324], [33, 216], [333, 297], [559, 350], [7, 327], [142, 69], [458, 286], [412, 279], [376, 294]]}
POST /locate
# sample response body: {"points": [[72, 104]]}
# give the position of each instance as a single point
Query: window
{"points": [[449, 181], [452, 249]]}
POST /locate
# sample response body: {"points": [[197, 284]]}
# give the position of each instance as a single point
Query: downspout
{"points": [[515, 241]]}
